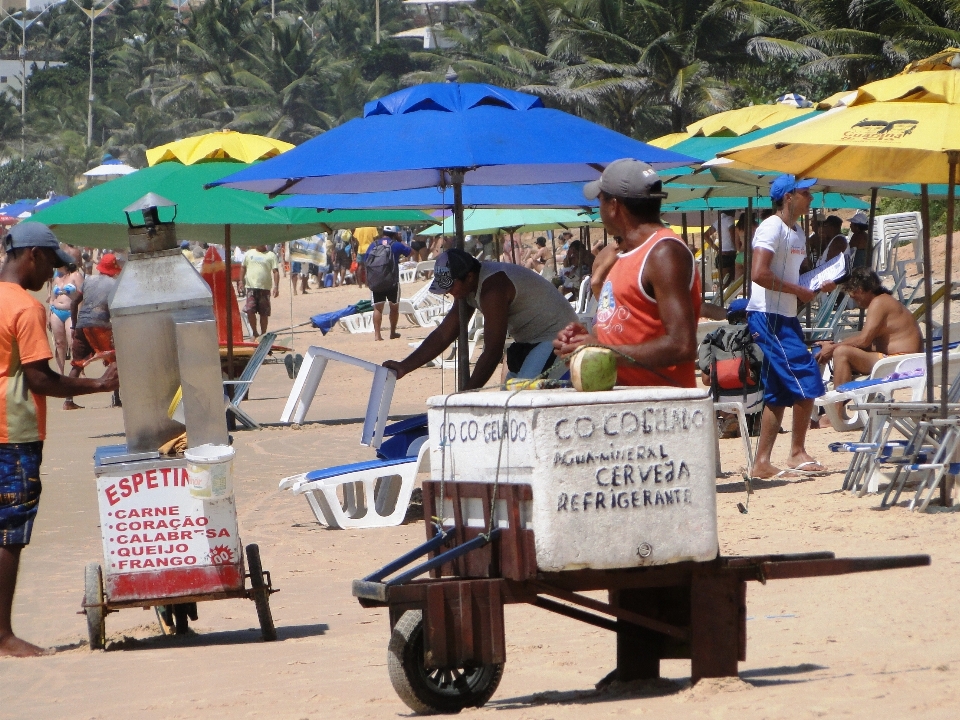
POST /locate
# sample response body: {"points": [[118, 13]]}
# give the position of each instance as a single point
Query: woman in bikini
{"points": [[64, 288]]}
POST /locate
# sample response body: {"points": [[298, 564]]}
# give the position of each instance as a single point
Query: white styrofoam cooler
{"points": [[623, 478]]}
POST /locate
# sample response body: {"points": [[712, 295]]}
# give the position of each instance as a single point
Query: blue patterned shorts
{"points": [[19, 490]]}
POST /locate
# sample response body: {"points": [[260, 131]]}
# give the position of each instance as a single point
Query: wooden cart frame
{"points": [[451, 623]]}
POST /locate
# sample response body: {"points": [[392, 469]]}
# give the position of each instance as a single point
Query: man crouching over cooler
{"points": [[650, 300]]}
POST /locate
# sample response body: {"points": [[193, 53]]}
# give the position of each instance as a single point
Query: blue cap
{"points": [[787, 184], [737, 311]]}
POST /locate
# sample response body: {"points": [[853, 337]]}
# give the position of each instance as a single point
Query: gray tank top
{"points": [[538, 312]]}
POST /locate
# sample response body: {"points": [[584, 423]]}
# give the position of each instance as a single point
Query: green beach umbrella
{"points": [[483, 221], [95, 217]]}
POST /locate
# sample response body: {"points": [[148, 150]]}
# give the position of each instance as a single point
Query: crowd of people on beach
{"points": [[646, 283]]}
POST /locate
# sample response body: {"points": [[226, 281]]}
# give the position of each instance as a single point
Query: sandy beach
{"points": [[879, 645]]}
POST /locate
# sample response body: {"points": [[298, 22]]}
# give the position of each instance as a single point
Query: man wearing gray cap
{"points": [[650, 297], [31, 252], [514, 300]]}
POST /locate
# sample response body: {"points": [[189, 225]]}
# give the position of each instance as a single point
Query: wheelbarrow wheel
{"points": [[431, 692], [260, 593], [93, 606]]}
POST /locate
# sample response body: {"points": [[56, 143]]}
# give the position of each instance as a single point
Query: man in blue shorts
{"points": [[26, 379], [790, 374]]}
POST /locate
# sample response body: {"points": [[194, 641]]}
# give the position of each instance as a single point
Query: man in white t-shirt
{"points": [[790, 373]]}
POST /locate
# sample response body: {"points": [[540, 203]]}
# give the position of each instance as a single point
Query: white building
{"points": [[10, 75]]}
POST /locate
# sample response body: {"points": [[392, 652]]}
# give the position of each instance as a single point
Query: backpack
{"points": [[732, 360], [383, 273]]}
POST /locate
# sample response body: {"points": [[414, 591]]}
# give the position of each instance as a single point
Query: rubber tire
{"points": [[93, 595], [418, 687], [261, 594]]}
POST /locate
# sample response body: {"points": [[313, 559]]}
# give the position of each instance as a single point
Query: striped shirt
{"points": [[23, 340]]}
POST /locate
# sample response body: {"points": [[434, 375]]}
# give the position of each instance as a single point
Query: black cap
{"points": [[452, 265]]}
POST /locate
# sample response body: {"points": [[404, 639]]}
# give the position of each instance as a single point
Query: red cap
{"points": [[108, 265]]}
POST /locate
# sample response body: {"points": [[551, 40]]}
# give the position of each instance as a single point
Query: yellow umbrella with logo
{"points": [[219, 145], [901, 129]]}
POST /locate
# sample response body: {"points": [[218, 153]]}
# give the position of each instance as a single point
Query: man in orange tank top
{"points": [[650, 300]]}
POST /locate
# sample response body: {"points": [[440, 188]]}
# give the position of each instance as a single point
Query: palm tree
{"points": [[872, 39], [646, 67]]}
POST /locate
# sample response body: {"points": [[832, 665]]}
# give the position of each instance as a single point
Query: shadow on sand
{"points": [[222, 637]]}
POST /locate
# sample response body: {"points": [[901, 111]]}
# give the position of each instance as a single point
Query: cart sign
{"points": [[159, 540], [620, 479]]}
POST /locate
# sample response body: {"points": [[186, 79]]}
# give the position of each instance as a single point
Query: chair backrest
{"points": [[425, 268], [896, 229], [583, 297]]}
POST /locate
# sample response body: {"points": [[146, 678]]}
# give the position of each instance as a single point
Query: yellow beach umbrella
{"points": [[220, 145], [734, 123], [883, 143], [898, 130]]}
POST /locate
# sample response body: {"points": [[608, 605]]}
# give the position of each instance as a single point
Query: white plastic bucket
{"points": [[210, 470]]}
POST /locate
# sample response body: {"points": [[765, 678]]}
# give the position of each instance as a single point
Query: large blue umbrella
{"points": [[428, 135], [450, 135]]}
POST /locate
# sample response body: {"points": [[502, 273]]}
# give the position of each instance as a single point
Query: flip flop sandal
{"points": [[798, 471], [288, 364]]}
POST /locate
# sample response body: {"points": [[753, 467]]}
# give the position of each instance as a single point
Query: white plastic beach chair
{"points": [[833, 401], [375, 493], [308, 379], [358, 322], [424, 269], [408, 273]]}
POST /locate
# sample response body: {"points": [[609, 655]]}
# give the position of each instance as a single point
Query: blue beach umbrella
{"points": [[450, 135], [442, 135]]}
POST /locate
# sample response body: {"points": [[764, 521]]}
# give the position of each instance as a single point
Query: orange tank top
{"points": [[626, 315]]}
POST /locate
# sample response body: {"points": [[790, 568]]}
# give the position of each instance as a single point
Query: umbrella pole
{"points": [[953, 158], [553, 244], [228, 264], [873, 213], [703, 263], [748, 249], [604, 236], [513, 249], [683, 229], [723, 301], [463, 352], [927, 287]]}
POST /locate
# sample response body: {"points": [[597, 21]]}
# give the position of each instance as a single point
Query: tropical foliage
{"points": [[643, 67]]}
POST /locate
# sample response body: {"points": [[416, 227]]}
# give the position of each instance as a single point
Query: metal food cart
{"points": [[168, 524]]}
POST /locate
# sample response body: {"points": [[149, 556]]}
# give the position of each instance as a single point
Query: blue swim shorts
{"points": [[789, 372], [19, 490]]}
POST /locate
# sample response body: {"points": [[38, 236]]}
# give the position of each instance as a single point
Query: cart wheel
{"points": [[430, 692], [260, 593], [93, 600], [181, 618]]}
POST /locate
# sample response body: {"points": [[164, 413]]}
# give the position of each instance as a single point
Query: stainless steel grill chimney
{"points": [[166, 337]]}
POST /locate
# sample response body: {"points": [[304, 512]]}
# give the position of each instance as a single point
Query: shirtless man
{"points": [[890, 329]]}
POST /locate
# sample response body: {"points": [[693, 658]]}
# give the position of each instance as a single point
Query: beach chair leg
{"points": [[321, 509], [354, 500], [243, 417]]}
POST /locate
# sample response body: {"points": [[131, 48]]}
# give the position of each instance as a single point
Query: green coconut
{"points": [[593, 369]]}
